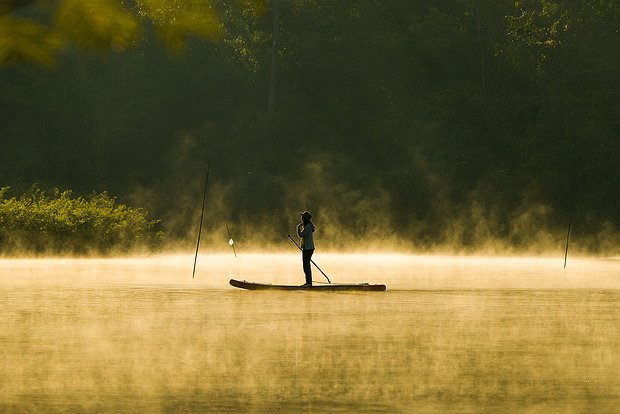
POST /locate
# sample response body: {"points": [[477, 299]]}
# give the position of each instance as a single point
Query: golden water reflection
{"points": [[129, 335]]}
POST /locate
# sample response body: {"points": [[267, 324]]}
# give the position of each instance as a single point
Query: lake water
{"points": [[451, 334]]}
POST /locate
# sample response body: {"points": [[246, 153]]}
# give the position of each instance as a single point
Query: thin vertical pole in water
{"points": [[570, 224], [202, 213]]}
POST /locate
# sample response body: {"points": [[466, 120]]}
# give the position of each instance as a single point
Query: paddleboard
{"points": [[244, 284]]}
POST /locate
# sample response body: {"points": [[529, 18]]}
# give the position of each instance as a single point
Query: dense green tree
{"points": [[57, 222], [572, 53]]}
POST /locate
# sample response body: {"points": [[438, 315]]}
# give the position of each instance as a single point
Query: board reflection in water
{"points": [[450, 334]]}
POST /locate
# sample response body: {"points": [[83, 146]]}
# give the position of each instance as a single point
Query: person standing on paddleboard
{"points": [[304, 231]]}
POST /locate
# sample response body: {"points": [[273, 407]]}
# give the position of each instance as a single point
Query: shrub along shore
{"points": [[57, 222]]}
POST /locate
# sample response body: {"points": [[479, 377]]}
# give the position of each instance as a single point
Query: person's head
{"points": [[306, 216]]}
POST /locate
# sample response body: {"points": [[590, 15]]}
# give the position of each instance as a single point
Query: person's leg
{"points": [[306, 256]]}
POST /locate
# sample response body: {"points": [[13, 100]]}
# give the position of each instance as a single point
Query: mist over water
{"points": [[451, 334]]}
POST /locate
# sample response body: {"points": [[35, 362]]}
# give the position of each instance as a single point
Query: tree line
{"points": [[463, 123]]}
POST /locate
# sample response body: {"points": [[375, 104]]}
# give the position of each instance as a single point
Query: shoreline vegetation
{"points": [[40, 222], [55, 222]]}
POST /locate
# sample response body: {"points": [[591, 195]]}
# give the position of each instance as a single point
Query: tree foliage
{"points": [[37, 30], [438, 122], [57, 222]]}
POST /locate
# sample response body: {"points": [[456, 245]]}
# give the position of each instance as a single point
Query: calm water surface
{"points": [[449, 335]]}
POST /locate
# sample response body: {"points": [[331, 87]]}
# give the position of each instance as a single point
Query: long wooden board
{"points": [[243, 284]]}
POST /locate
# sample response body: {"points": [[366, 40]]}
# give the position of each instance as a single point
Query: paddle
{"points": [[315, 265]]}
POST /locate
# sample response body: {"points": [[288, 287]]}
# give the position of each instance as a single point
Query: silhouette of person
{"points": [[304, 231]]}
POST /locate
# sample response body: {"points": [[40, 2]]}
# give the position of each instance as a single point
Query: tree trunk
{"points": [[274, 57]]}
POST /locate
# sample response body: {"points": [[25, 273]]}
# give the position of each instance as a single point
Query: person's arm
{"points": [[299, 232]]}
